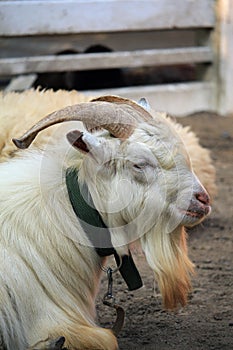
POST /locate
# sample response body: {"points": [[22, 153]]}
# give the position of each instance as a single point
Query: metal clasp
{"points": [[110, 301], [108, 298]]}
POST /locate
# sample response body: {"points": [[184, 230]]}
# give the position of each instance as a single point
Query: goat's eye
{"points": [[139, 166]]}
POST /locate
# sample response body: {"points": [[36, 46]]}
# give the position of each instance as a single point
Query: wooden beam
{"points": [[176, 99], [225, 56], [138, 58], [90, 16], [20, 83]]}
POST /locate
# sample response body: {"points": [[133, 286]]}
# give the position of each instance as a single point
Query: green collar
{"points": [[96, 230]]}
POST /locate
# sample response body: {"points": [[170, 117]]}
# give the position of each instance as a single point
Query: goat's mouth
{"points": [[195, 213]]}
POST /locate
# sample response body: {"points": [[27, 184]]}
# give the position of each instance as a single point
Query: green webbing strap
{"points": [[96, 230], [88, 216]]}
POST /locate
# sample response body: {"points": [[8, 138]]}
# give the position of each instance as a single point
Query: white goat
{"points": [[139, 177]]}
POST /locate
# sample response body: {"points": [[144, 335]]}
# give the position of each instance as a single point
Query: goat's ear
{"points": [[144, 103], [75, 138], [84, 141]]}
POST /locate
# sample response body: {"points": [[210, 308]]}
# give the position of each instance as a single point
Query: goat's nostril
{"points": [[203, 197]]}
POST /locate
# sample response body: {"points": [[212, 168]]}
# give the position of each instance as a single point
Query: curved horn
{"points": [[144, 114], [119, 120]]}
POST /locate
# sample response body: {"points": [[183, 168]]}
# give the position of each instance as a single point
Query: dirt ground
{"points": [[207, 321]]}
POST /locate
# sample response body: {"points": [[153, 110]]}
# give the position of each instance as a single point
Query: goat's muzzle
{"points": [[199, 207]]}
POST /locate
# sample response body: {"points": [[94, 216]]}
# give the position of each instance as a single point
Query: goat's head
{"points": [[140, 180]]}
